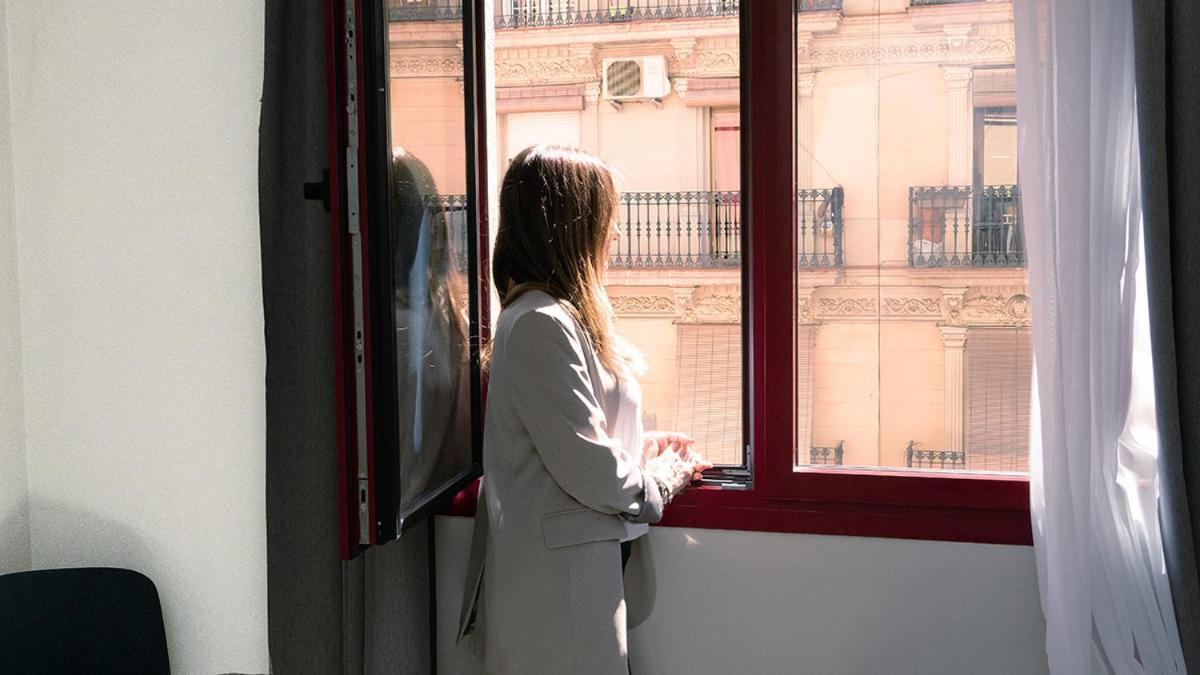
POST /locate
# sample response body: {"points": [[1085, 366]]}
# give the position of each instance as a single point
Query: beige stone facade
{"points": [[907, 313]]}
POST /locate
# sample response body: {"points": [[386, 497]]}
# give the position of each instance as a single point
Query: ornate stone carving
{"points": [[684, 47], [643, 304], [713, 304], [990, 309], [952, 301], [846, 306], [400, 65], [925, 49], [957, 34], [914, 307], [706, 63], [804, 309], [546, 65]]}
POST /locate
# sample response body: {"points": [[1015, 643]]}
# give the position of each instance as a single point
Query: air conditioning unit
{"points": [[636, 78]]}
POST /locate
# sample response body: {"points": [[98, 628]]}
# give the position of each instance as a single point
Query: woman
{"points": [[570, 475]]}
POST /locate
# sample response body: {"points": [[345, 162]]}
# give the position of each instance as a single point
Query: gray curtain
{"points": [[371, 615], [1168, 79]]}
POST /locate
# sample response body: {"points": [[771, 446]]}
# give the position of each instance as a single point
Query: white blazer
{"points": [[564, 485]]}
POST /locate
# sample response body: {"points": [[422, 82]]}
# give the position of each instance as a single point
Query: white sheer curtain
{"points": [[1094, 480]]}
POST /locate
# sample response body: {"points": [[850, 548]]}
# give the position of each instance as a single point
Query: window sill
{"points": [[749, 510]]}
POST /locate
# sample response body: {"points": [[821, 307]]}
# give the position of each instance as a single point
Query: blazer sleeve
{"points": [[555, 402]]}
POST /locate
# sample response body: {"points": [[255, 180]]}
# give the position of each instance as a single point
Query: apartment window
{"points": [[868, 378], [726, 149]]}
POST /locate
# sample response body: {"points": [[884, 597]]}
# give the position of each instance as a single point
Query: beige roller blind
{"points": [[999, 367], [709, 397], [530, 128], [994, 87]]}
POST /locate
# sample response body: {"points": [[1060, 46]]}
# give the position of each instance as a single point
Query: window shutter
{"points": [[709, 397], [999, 369], [994, 87], [531, 128]]}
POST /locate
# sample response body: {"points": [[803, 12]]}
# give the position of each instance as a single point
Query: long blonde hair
{"points": [[557, 208]]}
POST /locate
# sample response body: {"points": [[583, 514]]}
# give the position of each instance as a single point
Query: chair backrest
{"points": [[81, 620]]}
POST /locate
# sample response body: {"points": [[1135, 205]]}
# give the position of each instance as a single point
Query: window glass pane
{"points": [[650, 87], [428, 212], [913, 344]]}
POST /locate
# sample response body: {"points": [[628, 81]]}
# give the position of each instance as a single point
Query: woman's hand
{"points": [[699, 463], [676, 467], [654, 443]]}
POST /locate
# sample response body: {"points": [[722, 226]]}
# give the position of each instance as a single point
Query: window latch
{"points": [[319, 192]]}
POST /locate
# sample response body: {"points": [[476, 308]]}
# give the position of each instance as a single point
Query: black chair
{"points": [[84, 620]]}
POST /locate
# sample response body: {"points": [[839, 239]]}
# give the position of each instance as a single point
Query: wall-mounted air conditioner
{"points": [[636, 78]]}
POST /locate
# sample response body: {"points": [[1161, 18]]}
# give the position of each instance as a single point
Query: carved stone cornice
{"points": [[846, 307], [545, 65], [713, 304], [917, 307], [990, 307], [915, 48], [401, 64], [717, 57], [643, 305]]}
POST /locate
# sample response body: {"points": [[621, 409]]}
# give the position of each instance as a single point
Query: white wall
{"points": [[763, 603], [134, 129], [14, 486]]}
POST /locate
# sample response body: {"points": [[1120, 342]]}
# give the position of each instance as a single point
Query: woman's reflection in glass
{"points": [[433, 390]]}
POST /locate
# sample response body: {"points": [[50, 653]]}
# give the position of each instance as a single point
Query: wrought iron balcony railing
{"points": [[682, 229], [678, 229], [549, 13], [819, 227], [967, 226], [919, 3], [934, 459], [425, 10], [827, 455], [703, 229]]}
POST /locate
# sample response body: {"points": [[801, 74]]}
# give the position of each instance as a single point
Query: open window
{"points": [[820, 251], [411, 301]]}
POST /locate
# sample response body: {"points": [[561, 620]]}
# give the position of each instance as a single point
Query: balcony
{"points": [[831, 455], [672, 230], [555, 13], [933, 459], [967, 226]]}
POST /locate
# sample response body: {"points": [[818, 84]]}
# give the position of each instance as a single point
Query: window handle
{"points": [[319, 192]]}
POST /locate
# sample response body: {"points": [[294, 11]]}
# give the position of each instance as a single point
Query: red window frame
{"points": [[881, 503], [874, 503]]}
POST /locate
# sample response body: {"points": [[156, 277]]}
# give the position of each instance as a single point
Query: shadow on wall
{"points": [[14, 538], [70, 537]]}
